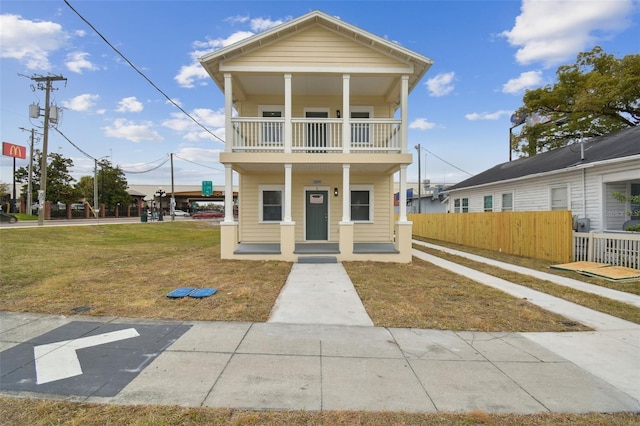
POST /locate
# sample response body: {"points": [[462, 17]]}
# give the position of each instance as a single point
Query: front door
{"points": [[317, 215]]}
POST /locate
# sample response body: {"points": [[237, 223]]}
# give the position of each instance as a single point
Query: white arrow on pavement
{"points": [[58, 360]]}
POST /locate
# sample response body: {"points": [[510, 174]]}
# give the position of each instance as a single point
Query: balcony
{"points": [[316, 135]]}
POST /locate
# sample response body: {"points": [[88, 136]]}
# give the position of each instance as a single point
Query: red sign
{"points": [[15, 151]]}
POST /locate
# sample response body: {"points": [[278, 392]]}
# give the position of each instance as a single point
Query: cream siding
{"points": [[250, 107], [315, 47]]}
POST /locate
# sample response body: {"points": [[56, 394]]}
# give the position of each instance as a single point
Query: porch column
{"points": [[287, 192], [346, 193], [288, 131], [228, 112], [404, 113], [402, 217], [346, 115], [228, 193], [346, 225]]}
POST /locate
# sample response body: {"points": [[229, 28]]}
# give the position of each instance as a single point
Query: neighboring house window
{"points": [[559, 198], [465, 205], [271, 132], [488, 203], [361, 203], [456, 205], [635, 208], [271, 203], [507, 202]]}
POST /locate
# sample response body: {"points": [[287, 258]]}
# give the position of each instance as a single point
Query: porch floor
{"points": [[314, 248]]}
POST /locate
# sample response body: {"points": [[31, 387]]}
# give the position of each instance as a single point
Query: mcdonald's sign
{"points": [[15, 151]]}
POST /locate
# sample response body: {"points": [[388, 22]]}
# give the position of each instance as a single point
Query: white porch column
{"points": [[346, 193], [402, 217], [288, 131], [346, 114], [228, 112], [228, 193], [404, 112], [287, 193]]}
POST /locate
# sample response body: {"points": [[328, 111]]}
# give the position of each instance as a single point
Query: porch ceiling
{"points": [[302, 85]]}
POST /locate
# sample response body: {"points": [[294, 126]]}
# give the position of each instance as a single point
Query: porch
{"points": [[316, 135], [323, 248]]}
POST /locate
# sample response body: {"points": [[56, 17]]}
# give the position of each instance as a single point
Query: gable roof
{"points": [[624, 143], [419, 63]]}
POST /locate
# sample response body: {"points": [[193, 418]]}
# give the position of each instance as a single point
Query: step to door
{"points": [[317, 259]]}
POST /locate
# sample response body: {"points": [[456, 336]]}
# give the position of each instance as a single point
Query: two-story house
{"points": [[316, 132]]}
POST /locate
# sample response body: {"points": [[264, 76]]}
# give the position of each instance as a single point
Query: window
{"points": [[360, 131], [271, 203], [507, 202], [465, 205], [361, 204], [456, 205], [272, 131], [559, 199], [635, 208], [488, 203]]}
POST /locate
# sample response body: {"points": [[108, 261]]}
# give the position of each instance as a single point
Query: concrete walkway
{"points": [[306, 358]]}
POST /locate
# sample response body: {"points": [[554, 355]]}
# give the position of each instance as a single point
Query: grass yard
{"points": [[127, 270]]}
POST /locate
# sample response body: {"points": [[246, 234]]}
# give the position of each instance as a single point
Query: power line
{"points": [[142, 74], [74, 145], [197, 164], [147, 171], [445, 161]]}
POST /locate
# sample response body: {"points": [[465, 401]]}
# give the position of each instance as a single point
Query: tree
{"points": [[59, 180], [599, 94], [112, 185], [85, 189]]}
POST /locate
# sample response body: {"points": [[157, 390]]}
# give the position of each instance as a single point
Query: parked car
{"points": [[208, 214], [7, 217], [178, 212]]}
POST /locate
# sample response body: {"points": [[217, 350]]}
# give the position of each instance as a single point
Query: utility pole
{"points": [[173, 195], [45, 83], [29, 184]]}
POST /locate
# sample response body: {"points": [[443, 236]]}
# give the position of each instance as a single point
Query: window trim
{"points": [[568, 198], [261, 190], [368, 188], [271, 108], [465, 204]]}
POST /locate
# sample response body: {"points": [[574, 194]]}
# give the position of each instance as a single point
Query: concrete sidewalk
{"points": [[319, 351]]}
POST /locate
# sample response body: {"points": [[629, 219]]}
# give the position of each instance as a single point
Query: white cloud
{"points": [[81, 103], [237, 19], [132, 131], [212, 120], [30, 42], [551, 32], [441, 84], [189, 74], [77, 61], [130, 104], [421, 124], [261, 24], [199, 155], [487, 115], [524, 81]]}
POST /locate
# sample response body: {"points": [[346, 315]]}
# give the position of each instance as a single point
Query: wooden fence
{"points": [[546, 235]]}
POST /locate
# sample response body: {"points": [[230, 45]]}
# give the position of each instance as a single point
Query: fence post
{"points": [[590, 246]]}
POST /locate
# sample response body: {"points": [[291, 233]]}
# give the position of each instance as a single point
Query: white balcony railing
{"points": [[315, 135]]}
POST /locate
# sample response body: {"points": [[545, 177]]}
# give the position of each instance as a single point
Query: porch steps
{"points": [[317, 259]]}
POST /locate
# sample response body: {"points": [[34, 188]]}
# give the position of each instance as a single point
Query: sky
{"points": [[485, 53]]}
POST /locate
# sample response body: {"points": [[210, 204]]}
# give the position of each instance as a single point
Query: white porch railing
{"points": [[315, 135], [620, 249]]}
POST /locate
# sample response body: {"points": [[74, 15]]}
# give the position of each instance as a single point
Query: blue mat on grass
{"points": [[202, 292], [180, 292]]}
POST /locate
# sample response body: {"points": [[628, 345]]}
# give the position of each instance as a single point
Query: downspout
{"points": [[584, 182]]}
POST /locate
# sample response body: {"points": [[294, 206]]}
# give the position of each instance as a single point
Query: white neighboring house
{"points": [[580, 177]]}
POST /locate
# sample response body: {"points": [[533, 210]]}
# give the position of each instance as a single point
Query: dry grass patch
{"points": [[40, 412], [421, 295], [602, 304], [127, 270]]}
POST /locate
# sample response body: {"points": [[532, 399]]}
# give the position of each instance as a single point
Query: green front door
{"points": [[317, 216]]}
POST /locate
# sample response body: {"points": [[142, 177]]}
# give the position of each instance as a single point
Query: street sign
{"points": [[207, 187]]}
